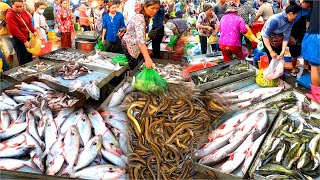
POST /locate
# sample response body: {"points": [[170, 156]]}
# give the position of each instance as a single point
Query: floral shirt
{"points": [[135, 35], [202, 20], [247, 12], [65, 21]]}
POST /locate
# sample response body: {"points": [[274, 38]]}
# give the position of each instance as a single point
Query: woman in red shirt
{"points": [[66, 24]]}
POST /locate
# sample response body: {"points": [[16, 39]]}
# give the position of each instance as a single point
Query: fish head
{"points": [[117, 171]]}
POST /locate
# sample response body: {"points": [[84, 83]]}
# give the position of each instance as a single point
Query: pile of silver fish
{"points": [[293, 150], [74, 143], [242, 99], [28, 71], [36, 91], [237, 139], [170, 72], [64, 55], [71, 71], [100, 60]]}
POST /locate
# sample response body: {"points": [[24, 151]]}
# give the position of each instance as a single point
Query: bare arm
{"points": [[147, 60], [104, 31], [267, 44]]}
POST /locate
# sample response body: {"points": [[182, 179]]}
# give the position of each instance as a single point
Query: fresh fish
{"points": [[71, 149], [116, 98], [5, 106], [280, 153], [32, 128], [275, 168], [55, 164], [63, 115], [41, 85], [313, 145], [18, 92], [29, 170], [121, 124], [290, 155], [13, 129], [275, 144], [16, 151], [105, 171], [124, 141], [8, 100], [71, 120], [266, 92], [30, 87], [46, 117], [209, 147], [89, 153], [13, 142], [277, 177], [304, 159], [114, 158], [22, 117], [250, 154], [221, 153], [50, 134], [4, 120], [14, 164], [36, 153], [108, 140], [13, 114], [84, 127], [22, 99]]}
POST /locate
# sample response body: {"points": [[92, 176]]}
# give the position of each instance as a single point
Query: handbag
{"points": [[153, 33]]}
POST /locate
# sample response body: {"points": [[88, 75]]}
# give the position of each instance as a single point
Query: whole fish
{"points": [[89, 153], [13, 129], [32, 128], [8, 100], [116, 98], [105, 171], [266, 92], [22, 99], [41, 85], [313, 145], [36, 153], [13, 114], [108, 140], [304, 159], [281, 152], [71, 149], [290, 155], [17, 92], [50, 134], [121, 125], [4, 106], [250, 154], [12, 142], [4, 120], [22, 117], [221, 153], [63, 115], [275, 168], [46, 116], [16, 151], [14, 164], [30, 87], [113, 158], [211, 146], [277, 177], [84, 127], [124, 141], [71, 120], [29, 170], [55, 164]]}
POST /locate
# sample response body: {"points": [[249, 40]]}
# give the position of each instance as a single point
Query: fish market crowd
{"points": [[170, 89]]}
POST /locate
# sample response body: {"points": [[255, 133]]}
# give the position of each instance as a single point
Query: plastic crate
{"points": [[46, 48], [256, 28], [305, 80], [287, 58]]}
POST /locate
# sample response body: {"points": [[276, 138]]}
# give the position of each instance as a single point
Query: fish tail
{"points": [[69, 171], [30, 163]]}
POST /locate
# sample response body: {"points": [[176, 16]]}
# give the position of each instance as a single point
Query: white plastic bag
{"points": [[275, 69]]}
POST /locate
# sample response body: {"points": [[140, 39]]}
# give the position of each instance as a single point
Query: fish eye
{"points": [[92, 113], [94, 143], [110, 168], [83, 120], [77, 113], [111, 144], [110, 116]]}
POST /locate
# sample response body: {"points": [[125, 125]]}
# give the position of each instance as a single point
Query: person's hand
{"points": [[273, 55], [103, 41], [281, 55], [213, 34], [148, 63], [27, 44]]}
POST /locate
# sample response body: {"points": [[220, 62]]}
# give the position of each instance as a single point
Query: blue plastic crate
{"points": [[305, 80], [287, 58]]}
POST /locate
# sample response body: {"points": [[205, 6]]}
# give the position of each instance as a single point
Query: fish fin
{"points": [[231, 157], [69, 171], [222, 126], [30, 163]]}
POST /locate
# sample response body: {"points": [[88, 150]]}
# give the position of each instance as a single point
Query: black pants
{"points": [[133, 62], [277, 50], [156, 42], [85, 28], [203, 42], [22, 54], [114, 47]]}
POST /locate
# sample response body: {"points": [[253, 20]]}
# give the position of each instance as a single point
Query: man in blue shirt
{"points": [[158, 32], [178, 9]]}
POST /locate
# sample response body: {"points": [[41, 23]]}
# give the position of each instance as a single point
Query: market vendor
{"points": [[276, 31], [133, 41], [179, 27], [310, 51], [208, 25]]}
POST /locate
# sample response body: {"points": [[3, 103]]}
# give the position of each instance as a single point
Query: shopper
{"points": [[157, 32], [66, 24], [178, 9], [112, 22], [231, 26], [99, 12], [310, 51], [129, 10], [39, 21], [208, 25], [276, 31], [7, 46], [265, 10], [220, 8], [83, 17], [19, 24], [133, 41], [56, 9]]}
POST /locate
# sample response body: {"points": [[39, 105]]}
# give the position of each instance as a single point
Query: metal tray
{"points": [[81, 96], [7, 174], [224, 81], [213, 172], [102, 75], [6, 74], [156, 61], [111, 55], [105, 103], [212, 57], [4, 84], [87, 35], [47, 56]]}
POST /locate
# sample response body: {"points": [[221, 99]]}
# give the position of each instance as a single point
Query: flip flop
{"points": [[293, 74]]}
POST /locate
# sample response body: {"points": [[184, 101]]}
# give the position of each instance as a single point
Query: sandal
{"points": [[294, 74]]}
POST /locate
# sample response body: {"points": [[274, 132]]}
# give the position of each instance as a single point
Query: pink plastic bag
{"points": [[275, 69]]}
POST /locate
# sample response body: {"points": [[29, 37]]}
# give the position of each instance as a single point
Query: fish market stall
{"points": [[77, 75], [32, 68], [212, 57], [64, 54], [222, 74], [104, 60]]}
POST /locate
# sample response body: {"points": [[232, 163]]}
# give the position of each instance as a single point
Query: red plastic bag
{"points": [[197, 67]]}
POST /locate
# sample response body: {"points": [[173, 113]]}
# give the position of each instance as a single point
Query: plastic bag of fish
{"points": [[236, 140], [74, 143], [100, 60]]}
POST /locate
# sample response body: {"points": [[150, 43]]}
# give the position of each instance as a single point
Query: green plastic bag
{"points": [[120, 59], [100, 46], [150, 82], [173, 41]]}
